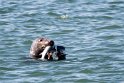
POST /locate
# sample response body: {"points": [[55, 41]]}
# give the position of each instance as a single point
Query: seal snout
{"points": [[51, 43]]}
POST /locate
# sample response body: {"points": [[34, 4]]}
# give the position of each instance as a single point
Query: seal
{"points": [[45, 49]]}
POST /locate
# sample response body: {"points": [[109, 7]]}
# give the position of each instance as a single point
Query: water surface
{"points": [[91, 30]]}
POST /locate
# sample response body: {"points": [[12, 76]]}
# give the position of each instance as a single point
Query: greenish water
{"points": [[91, 30]]}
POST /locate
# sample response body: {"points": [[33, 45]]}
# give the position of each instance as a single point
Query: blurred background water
{"points": [[91, 30]]}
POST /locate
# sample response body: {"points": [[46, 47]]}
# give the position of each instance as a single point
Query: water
{"points": [[91, 30]]}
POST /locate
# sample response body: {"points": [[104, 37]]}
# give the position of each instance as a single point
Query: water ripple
{"points": [[92, 32]]}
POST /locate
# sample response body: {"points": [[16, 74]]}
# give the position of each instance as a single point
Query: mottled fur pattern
{"points": [[39, 45]]}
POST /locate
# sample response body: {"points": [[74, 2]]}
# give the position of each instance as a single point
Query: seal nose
{"points": [[51, 43]]}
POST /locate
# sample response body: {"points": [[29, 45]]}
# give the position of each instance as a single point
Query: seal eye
{"points": [[41, 39]]}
